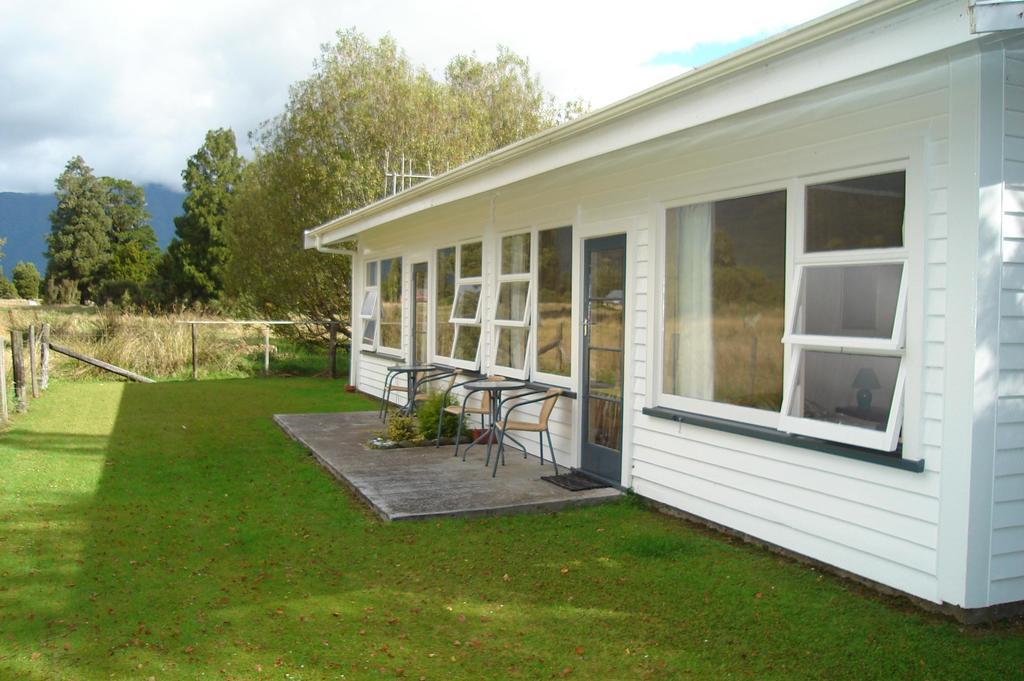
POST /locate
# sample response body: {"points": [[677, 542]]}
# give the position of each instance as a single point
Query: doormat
{"points": [[574, 481]]}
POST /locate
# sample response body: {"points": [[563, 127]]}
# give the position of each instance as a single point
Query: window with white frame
{"points": [[459, 291], [846, 325], [444, 301], [512, 306], [724, 303], [390, 305], [553, 356], [729, 332], [368, 308]]}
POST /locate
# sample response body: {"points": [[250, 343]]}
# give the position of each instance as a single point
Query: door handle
{"points": [[586, 326]]}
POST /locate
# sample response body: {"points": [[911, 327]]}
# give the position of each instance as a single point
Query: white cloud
{"points": [[133, 87]]}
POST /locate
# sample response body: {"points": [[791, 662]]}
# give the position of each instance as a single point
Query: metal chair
{"points": [[549, 399], [422, 395], [410, 403], [483, 410], [385, 397], [441, 374]]}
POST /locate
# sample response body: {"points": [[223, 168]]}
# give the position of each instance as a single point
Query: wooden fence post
{"points": [[195, 373], [32, 361], [44, 358], [3, 380], [18, 367], [332, 350], [266, 350]]}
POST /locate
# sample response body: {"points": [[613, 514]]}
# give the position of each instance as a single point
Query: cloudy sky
{"points": [[134, 86]]}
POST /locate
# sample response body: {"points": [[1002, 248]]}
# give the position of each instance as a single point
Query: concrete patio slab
{"points": [[429, 482]]}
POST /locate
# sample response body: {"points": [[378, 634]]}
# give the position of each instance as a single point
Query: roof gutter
{"points": [[835, 22], [330, 249]]}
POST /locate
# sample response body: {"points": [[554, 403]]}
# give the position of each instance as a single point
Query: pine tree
{"points": [[78, 247], [134, 250], [198, 253]]}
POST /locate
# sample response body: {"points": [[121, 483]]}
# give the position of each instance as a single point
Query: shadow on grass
{"points": [[213, 545], [48, 443]]}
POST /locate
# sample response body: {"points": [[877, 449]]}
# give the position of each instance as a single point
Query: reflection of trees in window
{"points": [[554, 301], [467, 343], [515, 254], [751, 286], [459, 302], [511, 343], [391, 303], [512, 305], [445, 284], [864, 212], [471, 260], [725, 300]]}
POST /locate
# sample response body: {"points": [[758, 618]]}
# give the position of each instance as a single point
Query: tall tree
{"points": [[134, 250], [325, 156], [197, 254], [78, 247]]}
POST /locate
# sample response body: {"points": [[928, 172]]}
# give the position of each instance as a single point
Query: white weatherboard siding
{"points": [[909, 90], [875, 521], [1007, 568]]}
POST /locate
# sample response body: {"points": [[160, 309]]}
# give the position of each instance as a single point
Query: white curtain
{"points": [[690, 350]]}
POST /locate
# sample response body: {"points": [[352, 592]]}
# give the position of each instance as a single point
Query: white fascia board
{"points": [[997, 15], [851, 42]]}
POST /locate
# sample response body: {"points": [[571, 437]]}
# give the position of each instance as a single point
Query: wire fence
{"points": [[265, 326], [36, 344]]}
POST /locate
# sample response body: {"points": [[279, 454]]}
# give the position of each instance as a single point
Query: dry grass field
{"points": [[158, 346]]}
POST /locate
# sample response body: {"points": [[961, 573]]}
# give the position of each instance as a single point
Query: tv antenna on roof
{"points": [[399, 180]]}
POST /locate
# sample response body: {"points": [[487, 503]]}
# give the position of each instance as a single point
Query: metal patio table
{"points": [[494, 389]]}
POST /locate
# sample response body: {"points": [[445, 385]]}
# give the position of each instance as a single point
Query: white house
{"points": [[786, 290]]}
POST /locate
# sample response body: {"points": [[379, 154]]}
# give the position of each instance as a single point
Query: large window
{"points": [[725, 281], [512, 306], [459, 287], [554, 302], [728, 331]]}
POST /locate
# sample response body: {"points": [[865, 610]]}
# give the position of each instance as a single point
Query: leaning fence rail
{"points": [[100, 364], [28, 372]]}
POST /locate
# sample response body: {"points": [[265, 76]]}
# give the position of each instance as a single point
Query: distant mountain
{"points": [[25, 222]]}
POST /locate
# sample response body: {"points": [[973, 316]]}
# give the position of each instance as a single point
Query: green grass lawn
{"points": [[171, 531]]}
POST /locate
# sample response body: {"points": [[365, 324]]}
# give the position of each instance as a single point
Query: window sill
{"points": [[534, 385], [893, 460], [381, 355], [547, 386], [468, 373]]}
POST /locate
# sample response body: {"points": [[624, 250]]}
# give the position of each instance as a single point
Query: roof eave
{"points": [[348, 225]]}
